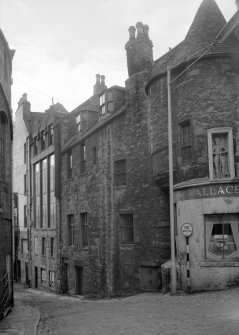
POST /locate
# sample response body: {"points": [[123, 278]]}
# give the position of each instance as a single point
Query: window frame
{"points": [[225, 219], [84, 229], [126, 222], [120, 175], [71, 229]]}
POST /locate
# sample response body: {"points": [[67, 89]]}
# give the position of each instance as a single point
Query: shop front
{"points": [[212, 209]]}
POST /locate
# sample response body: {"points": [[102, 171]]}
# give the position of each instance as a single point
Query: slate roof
{"points": [[207, 24]]}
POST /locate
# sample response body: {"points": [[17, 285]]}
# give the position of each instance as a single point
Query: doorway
{"points": [[36, 277], [79, 280], [65, 278]]}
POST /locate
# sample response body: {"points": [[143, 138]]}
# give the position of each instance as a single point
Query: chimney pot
{"points": [[140, 28], [146, 30], [97, 78], [132, 30], [237, 4], [102, 79]]}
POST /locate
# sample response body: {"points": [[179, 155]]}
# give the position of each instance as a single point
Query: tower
{"points": [[139, 49]]}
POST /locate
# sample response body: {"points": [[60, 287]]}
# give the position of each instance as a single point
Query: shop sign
{"points": [[207, 191]]}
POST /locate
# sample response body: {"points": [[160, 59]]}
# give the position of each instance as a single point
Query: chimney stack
{"points": [[26, 106], [99, 86], [132, 30]]}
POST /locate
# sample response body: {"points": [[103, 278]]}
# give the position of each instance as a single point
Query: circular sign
{"points": [[187, 229]]}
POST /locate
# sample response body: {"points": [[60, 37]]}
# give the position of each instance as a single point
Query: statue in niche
{"points": [[220, 159]]}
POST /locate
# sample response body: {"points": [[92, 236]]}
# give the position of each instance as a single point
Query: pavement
{"points": [[21, 320], [205, 313]]}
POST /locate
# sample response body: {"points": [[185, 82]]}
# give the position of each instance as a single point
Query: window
{"points": [[37, 194], [102, 104], [25, 216], [110, 107], [24, 246], [43, 246], [126, 229], [52, 247], [220, 153], [35, 245], [35, 145], [50, 134], [25, 184], [186, 141], [120, 172], [71, 229], [43, 140], [51, 278], [222, 237], [84, 229], [44, 190], [82, 157], [43, 276], [25, 152], [94, 155], [78, 122], [2, 145], [52, 205], [69, 164]]}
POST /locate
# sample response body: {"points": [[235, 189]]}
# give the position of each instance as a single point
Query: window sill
{"points": [[220, 264]]}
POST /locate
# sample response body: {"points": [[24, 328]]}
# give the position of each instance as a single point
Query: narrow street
{"points": [[206, 313]]}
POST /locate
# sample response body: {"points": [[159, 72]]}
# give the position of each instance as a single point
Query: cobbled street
{"points": [[206, 313]]}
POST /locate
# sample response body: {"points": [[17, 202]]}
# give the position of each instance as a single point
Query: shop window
{"points": [[84, 229], [186, 141], [220, 153], [126, 229], [120, 172], [222, 237], [71, 229]]}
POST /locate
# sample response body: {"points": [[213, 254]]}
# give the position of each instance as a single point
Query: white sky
{"points": [[61, 44]]}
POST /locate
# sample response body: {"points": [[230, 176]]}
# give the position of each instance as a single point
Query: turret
{"points": [[139, 49]]}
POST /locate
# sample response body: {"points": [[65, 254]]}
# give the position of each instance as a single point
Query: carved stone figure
{"points": [[220, 159]]}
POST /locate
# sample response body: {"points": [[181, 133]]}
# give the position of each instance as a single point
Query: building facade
{"points": [[6, 292], [205, 140], [37, 205]]}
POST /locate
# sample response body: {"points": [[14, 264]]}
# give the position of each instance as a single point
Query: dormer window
{"points": [[78, 122], [102, 104]]}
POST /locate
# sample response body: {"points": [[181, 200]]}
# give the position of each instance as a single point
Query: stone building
{"points": [[115, 236], [37, 205], [205, 105], [6, 293]]}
